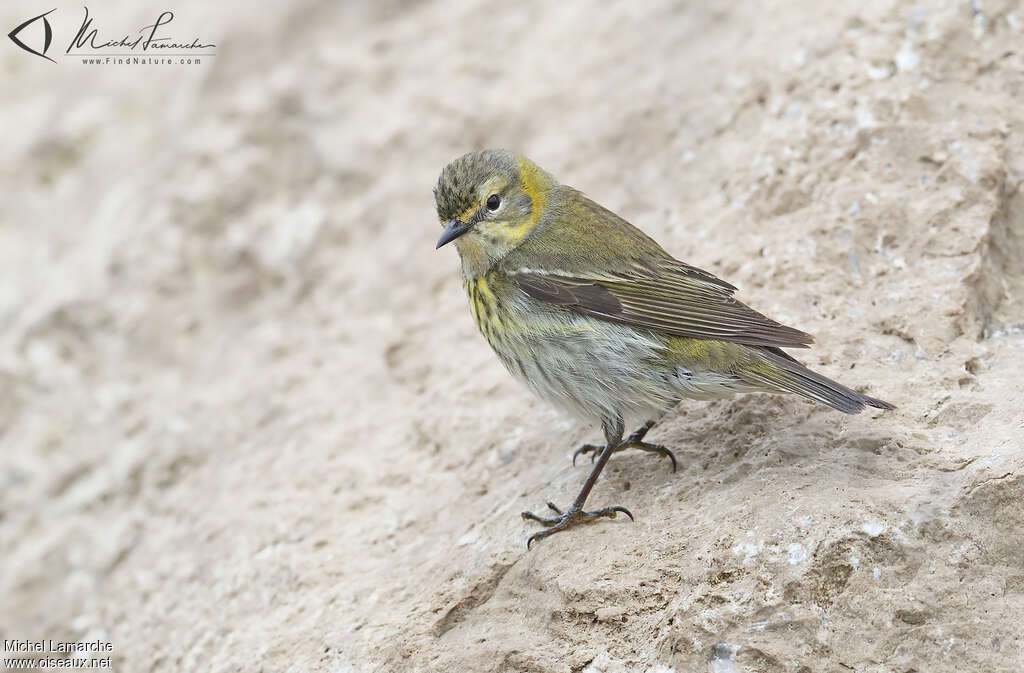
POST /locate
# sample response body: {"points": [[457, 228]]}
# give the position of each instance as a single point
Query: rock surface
{"points": [[246, 422]]}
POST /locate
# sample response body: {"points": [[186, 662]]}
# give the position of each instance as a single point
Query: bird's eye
{"points": [[493, 201]]}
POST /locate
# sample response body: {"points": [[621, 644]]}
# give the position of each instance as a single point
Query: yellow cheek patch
{"points": [[535, 186], [515, 232]]}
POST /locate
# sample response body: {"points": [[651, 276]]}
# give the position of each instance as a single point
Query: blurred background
{"points": [[246, 422]]}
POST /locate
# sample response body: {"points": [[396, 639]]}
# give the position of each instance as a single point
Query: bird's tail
{"points": [[780, 371]]}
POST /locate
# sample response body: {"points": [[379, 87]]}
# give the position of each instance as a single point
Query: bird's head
{"points": [[488, 202]]}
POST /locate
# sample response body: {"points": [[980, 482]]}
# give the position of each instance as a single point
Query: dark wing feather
{"points": [[670, 297]]}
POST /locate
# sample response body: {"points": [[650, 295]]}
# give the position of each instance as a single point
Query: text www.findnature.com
{"points": [[141, 60]]}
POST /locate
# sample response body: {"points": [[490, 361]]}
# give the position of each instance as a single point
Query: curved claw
{"points": [[620, 508], [586, 448], [666, 452]]}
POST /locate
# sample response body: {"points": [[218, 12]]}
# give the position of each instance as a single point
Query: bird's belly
{"points": [[591, 368], [588, 368]]}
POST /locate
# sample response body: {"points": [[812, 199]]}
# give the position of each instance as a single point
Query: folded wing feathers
{"points": [[674, 298]]}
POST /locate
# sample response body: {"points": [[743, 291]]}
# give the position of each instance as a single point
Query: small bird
{"points": [[597, 319]]}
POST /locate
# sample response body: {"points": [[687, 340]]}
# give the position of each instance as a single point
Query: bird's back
{"points": [[564, 239]]}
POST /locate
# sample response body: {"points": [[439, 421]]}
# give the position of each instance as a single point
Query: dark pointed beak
{"points": [[453, 230]]}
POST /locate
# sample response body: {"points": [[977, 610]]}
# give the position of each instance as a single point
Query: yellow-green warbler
{"points": [[596, 318]]}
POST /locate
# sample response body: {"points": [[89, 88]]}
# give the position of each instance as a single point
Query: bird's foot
{"points": [[573, 517], [593, 449], [634, 441], [659, 449]]}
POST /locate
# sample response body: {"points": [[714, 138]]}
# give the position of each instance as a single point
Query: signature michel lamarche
{"points": [[88, 41], [148, 38]]}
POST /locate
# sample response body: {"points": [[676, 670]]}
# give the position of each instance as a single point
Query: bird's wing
{"points": [[665, 296]]}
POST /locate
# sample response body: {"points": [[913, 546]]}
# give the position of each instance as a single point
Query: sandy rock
{"points": [[246, 422]]}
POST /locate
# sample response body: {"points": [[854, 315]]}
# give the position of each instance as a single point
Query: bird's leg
{"points": [[575, 514], [634, 441]]}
